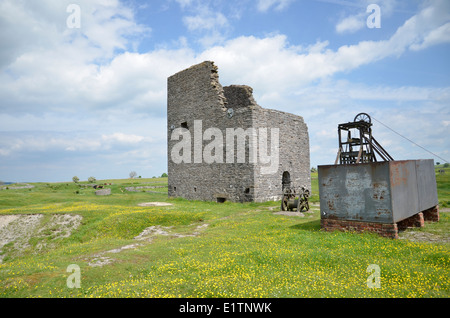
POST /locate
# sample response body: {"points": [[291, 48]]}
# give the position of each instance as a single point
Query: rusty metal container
{"points": [[381, 192]]}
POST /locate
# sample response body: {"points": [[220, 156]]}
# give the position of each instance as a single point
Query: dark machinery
{"points": [[291, 200], [359, 146]]}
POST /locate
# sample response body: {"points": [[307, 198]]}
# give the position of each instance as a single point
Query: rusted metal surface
{"points": [[355, 192], [384, 192]]}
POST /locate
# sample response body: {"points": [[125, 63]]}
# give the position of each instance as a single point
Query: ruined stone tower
{"points": [[223, 146]]}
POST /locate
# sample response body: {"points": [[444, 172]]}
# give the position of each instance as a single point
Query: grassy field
{"points": [[443, 186], [209, 249]]}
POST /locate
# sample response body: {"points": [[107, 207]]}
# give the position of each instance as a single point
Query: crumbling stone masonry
{"points": [[198, 105]]}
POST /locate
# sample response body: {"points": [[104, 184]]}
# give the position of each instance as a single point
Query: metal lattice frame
{"points": [[359, 145]]}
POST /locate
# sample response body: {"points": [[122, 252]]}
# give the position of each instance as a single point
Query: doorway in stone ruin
{"points": [[285, 180]]}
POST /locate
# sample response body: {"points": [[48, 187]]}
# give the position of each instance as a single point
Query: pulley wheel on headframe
{"points": [[363, 117]]}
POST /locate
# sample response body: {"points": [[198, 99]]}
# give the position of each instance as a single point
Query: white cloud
{"points": [[213, 25], [46, 141], [47, 66], [27, 26], [184, 3], [324, 102], [411, 93], [123, 138], [106, 26], [358, 19], [436, 36], [39, 142], [265, 5], [55, 156], [429, 22], [89, 91], [248, 59], [63, 78], [351, 24], [131, 80], [205, 20], [329, 103]]}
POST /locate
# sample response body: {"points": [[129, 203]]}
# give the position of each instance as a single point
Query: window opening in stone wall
{"points": [[247, 190], [184, 125], [221, 199], [195, 189], [286, 180], [174, 188]]}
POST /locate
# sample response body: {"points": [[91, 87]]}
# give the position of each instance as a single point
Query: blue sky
{"points": [[91, 101]]}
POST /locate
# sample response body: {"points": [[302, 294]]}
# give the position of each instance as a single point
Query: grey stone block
{"points": [[103, 192]]}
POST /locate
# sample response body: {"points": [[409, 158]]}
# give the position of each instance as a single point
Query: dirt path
{"points": [[144, 238]]}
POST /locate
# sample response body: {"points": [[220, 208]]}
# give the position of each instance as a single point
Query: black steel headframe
{"points": [[359, 146]]}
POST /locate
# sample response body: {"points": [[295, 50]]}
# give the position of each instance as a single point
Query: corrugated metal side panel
{"points": [[356, 192], [426, 184], [403, 180]]}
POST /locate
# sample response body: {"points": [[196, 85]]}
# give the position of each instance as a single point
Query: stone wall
{"points": [[293, 154], [198, 104]]}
